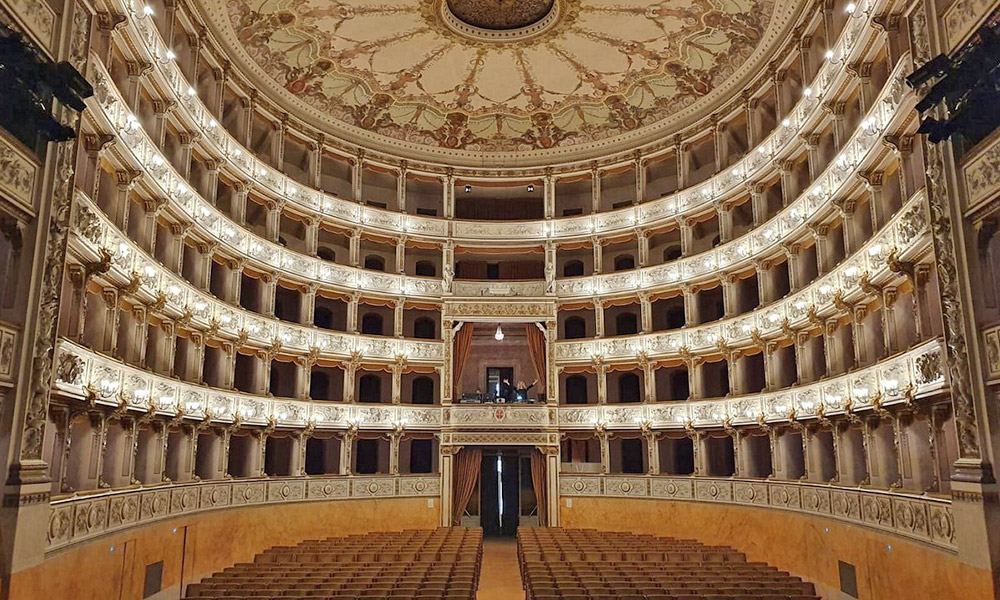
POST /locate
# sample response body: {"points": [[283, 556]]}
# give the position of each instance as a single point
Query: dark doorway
{"points": [[500, 500]]}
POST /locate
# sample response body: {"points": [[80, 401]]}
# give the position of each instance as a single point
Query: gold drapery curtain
{"points": [[463, 343], [536, 348], [538, 483], [465, 476]]}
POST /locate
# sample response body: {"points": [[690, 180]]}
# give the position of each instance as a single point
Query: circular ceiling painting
{"points": [[500, 14], [394, 71]]}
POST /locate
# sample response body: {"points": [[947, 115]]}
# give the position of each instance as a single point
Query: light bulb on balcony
{"points": [[191, 91], [828, 55], [170, 55], [851, 7], [499, 334], [808, 92], [147, 10], [786, 123]]}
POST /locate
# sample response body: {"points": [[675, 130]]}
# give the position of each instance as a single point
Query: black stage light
{"points": [[935, 67], [68, 85]]}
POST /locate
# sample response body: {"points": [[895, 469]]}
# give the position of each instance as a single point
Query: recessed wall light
{"points": [[531, 188], [468, 189]]}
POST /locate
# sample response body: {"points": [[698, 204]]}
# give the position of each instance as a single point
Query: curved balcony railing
{"points": [[922, 518], [890, 109], [864, 146], [85, 517], [85, 374], [141, 153], [896, 380], [243, 166], [904, 237], [154, 284]]}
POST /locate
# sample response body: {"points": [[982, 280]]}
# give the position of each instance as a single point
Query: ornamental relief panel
{"points": [[78, 519], [921, 518], [8, 347], [981, 175], [18, 172], [38, 19]]}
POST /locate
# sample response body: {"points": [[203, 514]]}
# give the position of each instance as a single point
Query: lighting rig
{"points": [[30, 81], [969, 85]]}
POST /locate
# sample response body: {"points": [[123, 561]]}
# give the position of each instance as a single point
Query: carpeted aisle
{"points": [[500, 578]]}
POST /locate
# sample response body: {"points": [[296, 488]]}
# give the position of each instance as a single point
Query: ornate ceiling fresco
{"points": [[549, 77]]}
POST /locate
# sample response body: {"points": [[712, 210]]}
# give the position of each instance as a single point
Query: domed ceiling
{"points": [[514, 81]]}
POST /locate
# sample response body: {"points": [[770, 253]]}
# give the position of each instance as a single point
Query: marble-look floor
{"points": [[500, 578]]}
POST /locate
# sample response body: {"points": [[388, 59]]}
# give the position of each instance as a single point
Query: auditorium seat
{"points": [[443, 563], [583, 564]]}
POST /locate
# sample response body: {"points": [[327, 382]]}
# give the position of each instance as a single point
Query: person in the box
{"points": [[518, 393]]}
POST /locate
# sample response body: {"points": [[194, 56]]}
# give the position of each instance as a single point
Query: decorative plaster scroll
{"points": [[939, 201], [31, 466], [922, 518], [80, 519]]}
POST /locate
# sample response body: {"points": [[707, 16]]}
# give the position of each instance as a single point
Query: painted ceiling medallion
{"points": [[500, 14], [394, 70]]}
